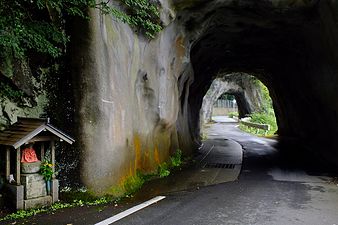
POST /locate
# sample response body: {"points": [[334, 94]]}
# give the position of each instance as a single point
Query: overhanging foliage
{"points": [[38, 25]]}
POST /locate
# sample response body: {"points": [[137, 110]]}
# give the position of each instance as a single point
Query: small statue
{"points": [[29, 161], [29, 155], [11, 178]]}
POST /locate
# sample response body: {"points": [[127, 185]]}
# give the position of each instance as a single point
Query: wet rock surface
{"points": [[138, 100], [281, 54], [261, 195], [243, 86], [270, 190]]}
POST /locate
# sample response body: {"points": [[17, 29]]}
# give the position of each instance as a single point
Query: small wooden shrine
{"points": [[25, 185]]}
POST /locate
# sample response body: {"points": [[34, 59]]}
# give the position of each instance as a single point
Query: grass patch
{"points": [[232, 114], [163, 170], [79, 199], [265, 116], [82, 197], [134, 183], [261, 118]]}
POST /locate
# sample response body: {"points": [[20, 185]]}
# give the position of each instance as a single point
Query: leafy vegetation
{"points": [[59, 205], [39, 25], [134, 183], [176, 159], [46, 170], [36, 32], [24, 27], [233, 114], [10, 92], [82, 197], [142, 14], [266, 116], [266, 99], [262, 119], [204, 136], [226, 96], [163, 170]]}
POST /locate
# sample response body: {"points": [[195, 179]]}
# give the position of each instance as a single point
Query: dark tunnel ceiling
{"points": [[244, 39], [292, 50], [268, 43]]}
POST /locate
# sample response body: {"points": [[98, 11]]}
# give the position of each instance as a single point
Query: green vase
{"points": [[48, 186]]}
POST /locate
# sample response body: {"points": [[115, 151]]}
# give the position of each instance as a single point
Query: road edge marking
{"points": [[130, 211], [207, 153]]}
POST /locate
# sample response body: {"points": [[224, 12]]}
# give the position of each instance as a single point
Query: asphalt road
{"points": [[272, 188]]}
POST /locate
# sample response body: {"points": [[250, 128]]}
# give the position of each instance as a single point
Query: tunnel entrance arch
{"points": [[250, 95], [285, 47], [245, 88], [290, 45]]}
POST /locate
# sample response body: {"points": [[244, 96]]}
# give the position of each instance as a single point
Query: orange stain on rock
{"points": [[130, 170], [146, 161], [137, 148], [156, 155]]}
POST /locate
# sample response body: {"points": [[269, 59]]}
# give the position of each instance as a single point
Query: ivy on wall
{"points": [[145, 15], [34, 30], [9, 92], [38, 25]]}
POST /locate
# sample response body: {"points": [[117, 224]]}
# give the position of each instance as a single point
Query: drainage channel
{"points": [[219, 165]]}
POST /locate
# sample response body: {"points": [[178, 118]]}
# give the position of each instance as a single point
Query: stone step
{"points": [[38, 202]]}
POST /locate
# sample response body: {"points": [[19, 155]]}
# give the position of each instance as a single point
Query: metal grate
{"points": [[219, 165]]}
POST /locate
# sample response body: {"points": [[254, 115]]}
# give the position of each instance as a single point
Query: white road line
{"points": [[207, 153], [130, 211]]}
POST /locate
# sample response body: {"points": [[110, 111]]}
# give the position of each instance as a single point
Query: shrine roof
{"points": [[25, 129]]}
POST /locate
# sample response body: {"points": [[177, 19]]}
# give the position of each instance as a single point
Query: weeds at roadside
{"points": [[232, 114], [204, 136], [82, 197], [261, 118], [21, 214]]}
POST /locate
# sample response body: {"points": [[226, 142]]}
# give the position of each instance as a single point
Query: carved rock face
{"points": [[243, 86], [139, 100], [289, 47]]}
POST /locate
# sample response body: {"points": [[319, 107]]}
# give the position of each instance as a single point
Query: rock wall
{"points": [[127, 95], [290, 46], [137, 100], [21, 93], [242, 86]]}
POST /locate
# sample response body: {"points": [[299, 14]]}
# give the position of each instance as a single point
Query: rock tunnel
{"points": [[288, 49], [139, 100], [245, 89]]}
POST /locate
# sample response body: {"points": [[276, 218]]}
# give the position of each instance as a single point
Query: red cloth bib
{"points": [[29, 155]]}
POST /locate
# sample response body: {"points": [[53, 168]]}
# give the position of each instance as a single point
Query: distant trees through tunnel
{"points": [[242, 95], [292, 51], [132, 102]]}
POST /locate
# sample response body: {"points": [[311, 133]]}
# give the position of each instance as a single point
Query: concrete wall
{"points": [[223, 111]]}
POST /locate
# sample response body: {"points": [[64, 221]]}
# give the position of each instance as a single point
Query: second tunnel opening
{"points": [[287, 50]]}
